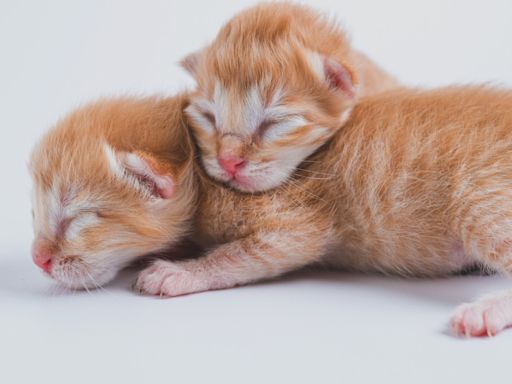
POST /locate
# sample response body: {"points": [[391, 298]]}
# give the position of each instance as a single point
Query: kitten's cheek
{"points": [[213, 169]]}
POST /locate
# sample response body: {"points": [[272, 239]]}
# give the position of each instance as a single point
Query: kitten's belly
{"points": [[424, 262]]}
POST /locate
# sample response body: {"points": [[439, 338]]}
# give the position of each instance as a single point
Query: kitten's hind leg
{"points": [[487, 235]]}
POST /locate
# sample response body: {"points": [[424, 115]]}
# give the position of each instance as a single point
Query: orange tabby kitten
{"points": [[97, 208], [416, 183], [277, 82]]}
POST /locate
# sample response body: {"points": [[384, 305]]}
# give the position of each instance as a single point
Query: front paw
{"points": [[169, 279]]}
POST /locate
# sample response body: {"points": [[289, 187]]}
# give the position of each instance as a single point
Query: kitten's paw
{"points": [[168, 279], [485, 317]]}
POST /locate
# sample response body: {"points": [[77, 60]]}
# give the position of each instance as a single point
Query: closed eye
{"points": [[209, 116], [273, 129], [265, 126], [85, 215], [73, 226]]}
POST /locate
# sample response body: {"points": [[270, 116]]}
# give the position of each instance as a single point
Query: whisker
{"points": [[82, 283], [96, 285], [298, 169]]}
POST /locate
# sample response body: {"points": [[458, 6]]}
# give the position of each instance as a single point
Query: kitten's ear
{"points": [[339, 76], [191, 62], [142, 171]]}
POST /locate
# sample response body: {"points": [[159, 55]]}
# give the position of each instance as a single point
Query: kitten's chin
{"points": [[248, 184], [242, 186], [239, 182], [255, 184], [89, 280]]}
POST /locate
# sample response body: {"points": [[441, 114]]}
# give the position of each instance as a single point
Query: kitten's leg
{"points": [[259, 256], [487, 235]]}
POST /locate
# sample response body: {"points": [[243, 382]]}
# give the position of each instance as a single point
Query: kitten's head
{"points": [[264, 101], [100, 202]]}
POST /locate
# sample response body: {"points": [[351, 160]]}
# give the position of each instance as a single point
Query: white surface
{"points": [[313, 327]]}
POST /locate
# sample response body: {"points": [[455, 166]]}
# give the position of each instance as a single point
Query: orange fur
{"points": [[116, 222], [416, 183], [275, 57], [390, 191]]}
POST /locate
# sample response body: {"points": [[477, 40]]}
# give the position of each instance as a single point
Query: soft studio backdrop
{"points": [[310, 327]]}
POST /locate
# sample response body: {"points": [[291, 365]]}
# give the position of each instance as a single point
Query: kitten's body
{"points": [[389, 192], [417, 183]]}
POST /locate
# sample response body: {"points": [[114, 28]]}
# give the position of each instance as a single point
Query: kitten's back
{"points": [[402, 166]]}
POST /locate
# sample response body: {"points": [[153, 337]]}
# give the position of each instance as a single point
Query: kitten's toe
{"points": [[150, 280], [166, 279], [485, 317], [467, 321]]}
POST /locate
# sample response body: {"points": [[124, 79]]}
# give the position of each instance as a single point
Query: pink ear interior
{"points": [[339, 77], [166, 187], [160, 185]]}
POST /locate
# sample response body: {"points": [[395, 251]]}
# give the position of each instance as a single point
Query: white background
{"points": [[311, 327]]}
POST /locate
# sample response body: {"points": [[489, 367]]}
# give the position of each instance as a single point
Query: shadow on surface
{"points": [[450, 290], [18, 277]]}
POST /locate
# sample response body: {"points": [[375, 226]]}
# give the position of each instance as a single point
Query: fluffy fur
{"points": [[277, 82], [416, 183], [97, 201]]}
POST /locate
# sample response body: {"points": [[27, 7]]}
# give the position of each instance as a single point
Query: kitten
{"points": [[111, 182], [416, 184], [277, 82]]}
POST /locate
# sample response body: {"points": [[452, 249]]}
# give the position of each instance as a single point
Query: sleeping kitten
{"points": [[277, 82], [416, 183], [111, 182]]}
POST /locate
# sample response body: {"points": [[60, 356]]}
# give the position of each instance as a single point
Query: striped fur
{"points": [[92, 213], [416, 183], [283, 79]]}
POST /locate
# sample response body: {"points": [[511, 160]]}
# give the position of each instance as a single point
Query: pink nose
{"points": [[42, 258], [232, 164]]}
